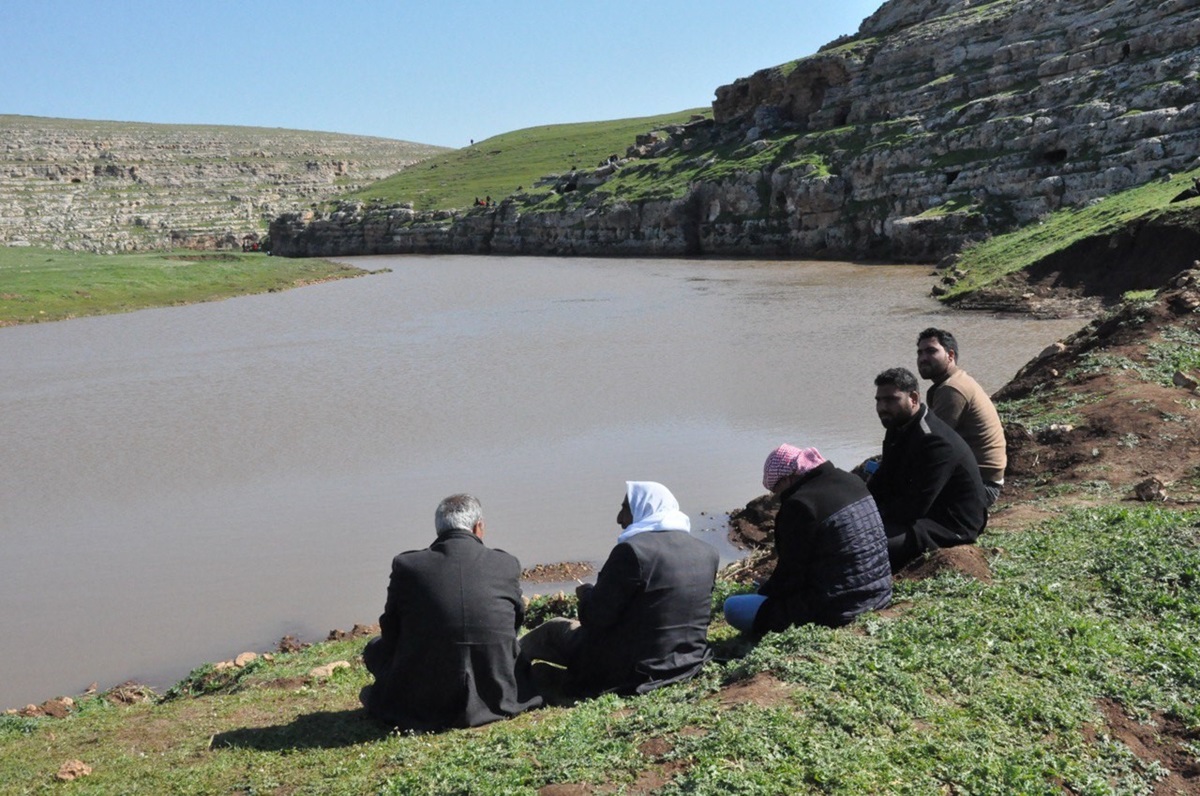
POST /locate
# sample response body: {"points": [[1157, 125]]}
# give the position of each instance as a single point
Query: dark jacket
{"points": [[832, 554], [928, 481], [645, 624], [449, 637]]}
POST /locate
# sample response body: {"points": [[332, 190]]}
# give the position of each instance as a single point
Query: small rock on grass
{"points": [[328, 669], [72, 770]]}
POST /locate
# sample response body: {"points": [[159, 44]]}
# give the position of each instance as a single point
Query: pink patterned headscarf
{"points": [[789, 460]]}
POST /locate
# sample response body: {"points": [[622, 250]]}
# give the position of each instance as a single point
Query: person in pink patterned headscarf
{"points": [[831, 550], [788, 461]]}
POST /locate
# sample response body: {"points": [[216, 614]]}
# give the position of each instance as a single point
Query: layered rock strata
{"points": [[940, 122], [111, 186]]}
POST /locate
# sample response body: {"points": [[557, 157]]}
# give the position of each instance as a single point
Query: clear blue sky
{"points": [[431, 71]]}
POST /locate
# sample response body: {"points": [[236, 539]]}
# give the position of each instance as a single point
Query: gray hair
{"points": [[457, 513]]}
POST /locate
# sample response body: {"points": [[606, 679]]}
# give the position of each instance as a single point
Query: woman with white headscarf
{"points": [[644, 624]]}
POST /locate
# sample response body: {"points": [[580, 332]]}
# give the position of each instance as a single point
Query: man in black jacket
{"points": [[831, 552], [927, 486], [448, 643], [645, 622]]}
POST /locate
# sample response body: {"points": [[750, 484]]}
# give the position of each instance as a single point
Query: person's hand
{"points": [[582, 589]]}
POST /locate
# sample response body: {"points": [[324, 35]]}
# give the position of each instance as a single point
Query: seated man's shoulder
{"points": [[497, 557], [972, 391], [409, 556], [678, 542], [843, 479], [961, 377]]}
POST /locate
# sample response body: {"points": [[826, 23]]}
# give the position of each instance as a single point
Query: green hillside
{"points": [[510, 162]]}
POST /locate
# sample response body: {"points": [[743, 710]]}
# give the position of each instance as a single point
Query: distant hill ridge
{"points": [[124, 186], [940, 122]]}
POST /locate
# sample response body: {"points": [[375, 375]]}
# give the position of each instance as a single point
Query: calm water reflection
{"points": [[183, 484]]}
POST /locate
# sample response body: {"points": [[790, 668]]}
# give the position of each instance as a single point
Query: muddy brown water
{"points": [[180, 485]]}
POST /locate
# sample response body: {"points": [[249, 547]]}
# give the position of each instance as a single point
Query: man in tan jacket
{"points": [[959, 401]]}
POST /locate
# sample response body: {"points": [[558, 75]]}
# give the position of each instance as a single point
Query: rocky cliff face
{"points": [[939, 122], [110, 186]]}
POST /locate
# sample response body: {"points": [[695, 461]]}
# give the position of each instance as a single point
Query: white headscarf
{"points": [[654, 508]]}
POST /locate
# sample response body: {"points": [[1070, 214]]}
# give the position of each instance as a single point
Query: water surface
{"points": [[180, 485]]}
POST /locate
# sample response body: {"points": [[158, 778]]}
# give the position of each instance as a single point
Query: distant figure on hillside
{"points": [[448, 646], [645, 622], [831, 550], [959, 401], [927, 486]]}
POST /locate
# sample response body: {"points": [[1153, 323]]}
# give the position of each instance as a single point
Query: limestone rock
{"points": [[941, 122], [115, 186], [72, 770], [328, 669]]}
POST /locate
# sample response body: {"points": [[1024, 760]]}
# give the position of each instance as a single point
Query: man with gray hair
{"points": [[448, 634]]}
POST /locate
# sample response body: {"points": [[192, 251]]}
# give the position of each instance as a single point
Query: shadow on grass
{"points": [[733, 648], [325, 730]]}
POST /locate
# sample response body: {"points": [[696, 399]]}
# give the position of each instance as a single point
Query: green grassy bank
{"points": [[990, 261], [49, 285], [962, 687], [514, 161]]}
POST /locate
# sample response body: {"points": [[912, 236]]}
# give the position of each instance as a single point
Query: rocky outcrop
{"points": [[111, 186], [940, 122]]}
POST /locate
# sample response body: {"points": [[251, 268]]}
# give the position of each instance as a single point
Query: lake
{"points": [[181, 485]]}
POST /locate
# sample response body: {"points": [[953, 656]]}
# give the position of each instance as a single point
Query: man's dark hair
{"points": [[900, 378], [945, 338]]}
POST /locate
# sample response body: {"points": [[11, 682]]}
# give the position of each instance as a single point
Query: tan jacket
{"points": [[963, 405]]}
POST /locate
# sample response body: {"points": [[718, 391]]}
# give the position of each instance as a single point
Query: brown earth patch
{"points": [[57, 708], [652, 780], [895, 610], [554, 573], [763, 690], [130, 693], [656, 748], [1165, 742], [753, 525], [967, 559], [566, 789], [286, 683], [1126, 427], [358, 631], [290, 643]]}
